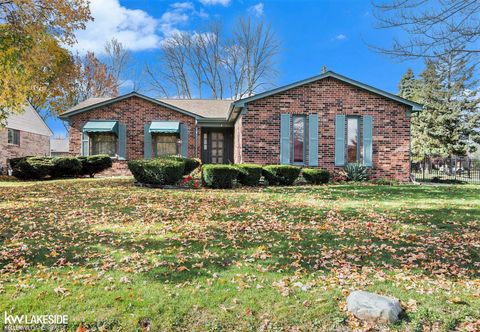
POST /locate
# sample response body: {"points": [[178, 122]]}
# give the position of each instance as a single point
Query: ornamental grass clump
{"points": [[356, 172]]}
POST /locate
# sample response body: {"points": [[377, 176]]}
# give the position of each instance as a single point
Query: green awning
{"points": [[164, 127], [101, 127]]}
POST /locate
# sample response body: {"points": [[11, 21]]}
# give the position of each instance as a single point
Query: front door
{"points": [[217, 145]]}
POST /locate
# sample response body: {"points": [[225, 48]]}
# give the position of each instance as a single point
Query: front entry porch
{"points": [[217, 145]]}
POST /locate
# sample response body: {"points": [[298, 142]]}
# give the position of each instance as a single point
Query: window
{"points": [[13, 136], [166, 145], [299, 139], [104, 143], [353, 140], [217, 139]]}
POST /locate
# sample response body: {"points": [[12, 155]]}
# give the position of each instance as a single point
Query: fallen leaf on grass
{"points": [[61, 291]]}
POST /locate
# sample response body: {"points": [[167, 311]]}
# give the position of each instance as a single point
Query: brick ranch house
{"points": [[25, 134], [325, 121]]}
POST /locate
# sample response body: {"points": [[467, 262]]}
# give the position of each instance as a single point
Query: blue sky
{"points": [[311, 33]]}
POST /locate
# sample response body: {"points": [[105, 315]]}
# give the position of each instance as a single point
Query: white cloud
{"points": [[170, 20], [340, 37], [182, 5], [134, 28], [224, 3], [179, 14], [257, 9]]}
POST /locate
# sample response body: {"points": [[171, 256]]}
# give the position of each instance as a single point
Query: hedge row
{"points": [[162, 171], [283, 175], [170, 170], [315, 175], [219, 176], [223, 176], [191, 164], [249, 174], [37, 168]]}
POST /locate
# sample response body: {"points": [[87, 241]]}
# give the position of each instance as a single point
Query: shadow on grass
{"points": [[281, 236], [361, 191]]}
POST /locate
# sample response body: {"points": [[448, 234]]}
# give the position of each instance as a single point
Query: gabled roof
{"points": [[29, 120], [94, 103], [87, 103], [207, 108], [198, 108], [223, 109], [415, 106]]}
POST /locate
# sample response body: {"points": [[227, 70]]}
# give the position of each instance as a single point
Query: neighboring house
{"points": [[59, 146], [26, 134], [325, 121]]}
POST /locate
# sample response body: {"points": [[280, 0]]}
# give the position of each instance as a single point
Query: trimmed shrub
{"points": [[356, 172], [36, 168], [219, 176], [191, 164], [92, 165], [32, 168], [249, 174], [66, 167], [316, 175], [284, 175], [14, 161], [157, 171]]}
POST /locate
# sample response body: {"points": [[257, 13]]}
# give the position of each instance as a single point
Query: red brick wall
{"points": [[260, 138], [30, 145], [134, 112], [119, 168]]}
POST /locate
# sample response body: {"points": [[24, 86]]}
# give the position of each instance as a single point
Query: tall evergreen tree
{"points": [[429, 93], [449, 122], [407, 85]]}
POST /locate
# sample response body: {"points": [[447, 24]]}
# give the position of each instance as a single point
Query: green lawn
{"points": [[113, 255]]}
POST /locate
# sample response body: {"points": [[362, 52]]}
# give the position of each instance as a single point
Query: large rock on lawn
{"points": [[373, 307]]}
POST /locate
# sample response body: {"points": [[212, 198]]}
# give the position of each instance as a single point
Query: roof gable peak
{"points": [[415, 106]]}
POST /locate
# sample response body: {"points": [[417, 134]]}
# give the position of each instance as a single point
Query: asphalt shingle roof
{"points": [[207, 108], [88, 102]]}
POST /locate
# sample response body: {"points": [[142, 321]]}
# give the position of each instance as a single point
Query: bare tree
{"points": [[119, 65], [259, 45], [194, 59], [434, 28], [206, 63], [117, 58], [234, 62], [210, 59], [156, 81]]}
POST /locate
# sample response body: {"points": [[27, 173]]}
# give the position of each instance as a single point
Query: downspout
{"points": [[410, 113], [196, 140]]}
